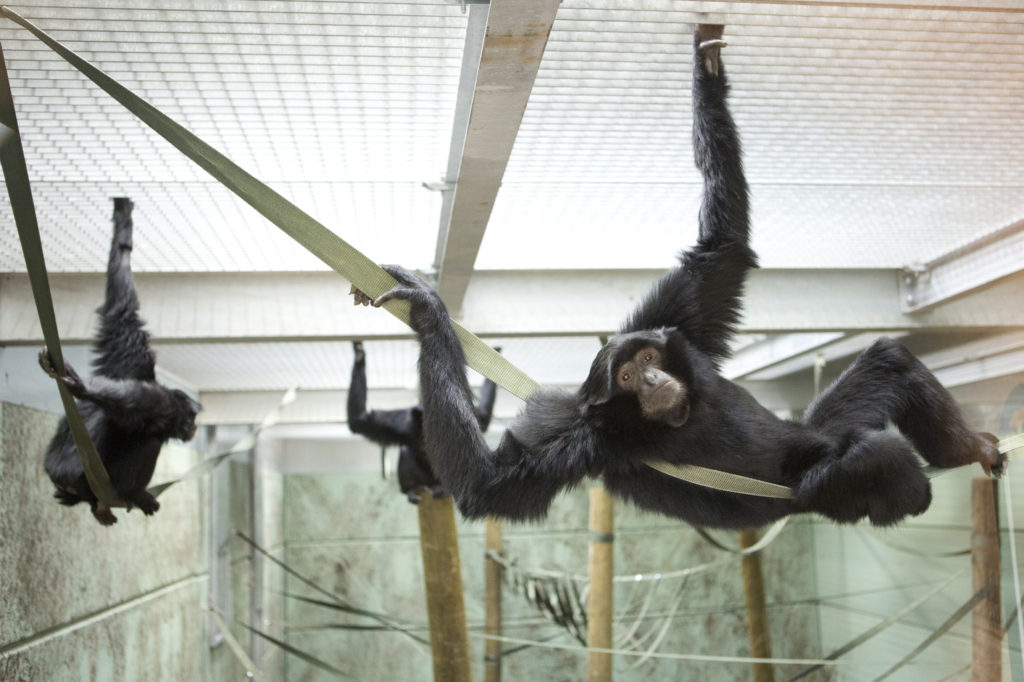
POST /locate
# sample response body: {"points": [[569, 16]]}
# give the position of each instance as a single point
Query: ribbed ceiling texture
{"points": [[876, 135]]}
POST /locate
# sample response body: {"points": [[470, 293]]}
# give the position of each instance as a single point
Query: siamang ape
{"points": [[128, 414], [404, 428], [655, 392]]}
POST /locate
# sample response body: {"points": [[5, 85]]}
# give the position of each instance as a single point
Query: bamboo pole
{"points": [[599, 601], [492, 601], [442, 572], [986, 619], [757, 614]]}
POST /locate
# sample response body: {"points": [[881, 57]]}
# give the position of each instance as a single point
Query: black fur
{"points": [[405, 429], [840, 460], [127, 413]]}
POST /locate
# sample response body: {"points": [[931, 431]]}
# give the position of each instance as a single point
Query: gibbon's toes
{"points": [[358, 297], [46, 363], [992, 461], [104, 515]]}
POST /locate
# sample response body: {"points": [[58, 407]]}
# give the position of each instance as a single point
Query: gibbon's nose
{"points": [[650, 376]]}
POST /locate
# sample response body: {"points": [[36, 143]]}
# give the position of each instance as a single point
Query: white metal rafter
{"points": [[513, 44]]}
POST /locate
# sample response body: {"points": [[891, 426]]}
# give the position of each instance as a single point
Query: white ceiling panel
{"points": [[328, 365], [877, 134], [345, 108], [873, 136], [203, 227]]}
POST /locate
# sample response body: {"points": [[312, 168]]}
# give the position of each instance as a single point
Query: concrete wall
{"points": [[82, 602]]}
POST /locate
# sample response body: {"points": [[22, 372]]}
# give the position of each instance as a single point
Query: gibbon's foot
{"points": [[358, 297], [409, 287], [103, 514], [47, 363], [71, 379], [908, 496], [991, 460], [144, 501]]}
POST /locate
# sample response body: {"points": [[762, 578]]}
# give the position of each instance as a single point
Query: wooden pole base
{"points": [[492, 598], [442, 572], [986, 625], [757, 614], [602, 569]]}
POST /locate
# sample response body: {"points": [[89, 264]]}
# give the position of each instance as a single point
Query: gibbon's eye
{"points": [[648, 357], [626, 376]]}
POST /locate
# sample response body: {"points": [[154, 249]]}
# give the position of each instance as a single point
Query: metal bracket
{"points": [[971, 267]]}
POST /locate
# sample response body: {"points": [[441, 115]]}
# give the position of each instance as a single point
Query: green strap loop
{"points": [[722, 480], [19, 189], [344, 259]]}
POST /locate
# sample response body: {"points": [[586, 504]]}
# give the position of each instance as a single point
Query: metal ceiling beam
{"points": [[309, 306], [513, 44], [844, 346], [989, 358], [774, 350], [968, 268]]}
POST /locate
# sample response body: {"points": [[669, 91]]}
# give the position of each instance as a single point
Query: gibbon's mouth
{"points": [[666, 397], [676, 421]]}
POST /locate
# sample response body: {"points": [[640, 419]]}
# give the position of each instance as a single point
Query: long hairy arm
{"points": [[530, 466], [122, 344], [384, 427], [702, 295]]}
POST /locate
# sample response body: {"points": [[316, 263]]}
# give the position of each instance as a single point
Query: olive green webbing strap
{"points": [[342, 257], [347, 261], [320, 241], [12, 160], [722, 480]]}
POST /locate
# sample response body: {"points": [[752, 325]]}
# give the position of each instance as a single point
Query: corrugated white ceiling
{"points": [[875, 135]]}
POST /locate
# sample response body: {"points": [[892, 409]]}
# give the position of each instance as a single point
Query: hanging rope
{"points": [[769, 537], [882, 625], [339, 255], [316, 238], [336, 253], [236, 648], [19, 190]]}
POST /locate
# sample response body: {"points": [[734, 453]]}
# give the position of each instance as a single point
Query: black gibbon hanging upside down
{"points": [[655, 392], [127, 413], [404, 428]]}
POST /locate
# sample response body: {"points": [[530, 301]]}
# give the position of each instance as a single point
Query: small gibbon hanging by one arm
{"points": [[128, 414], [655, 392], [404, 427]]}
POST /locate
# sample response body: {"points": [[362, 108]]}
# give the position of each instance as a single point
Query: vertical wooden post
{"points": [[757, 614], [602, 570], [987, 631], [492, 598], [442, 572]]}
